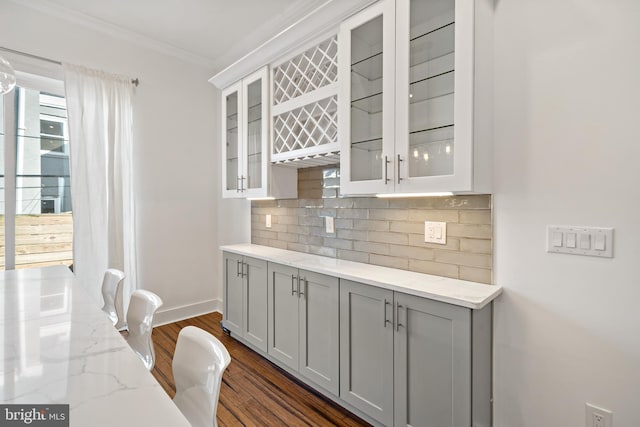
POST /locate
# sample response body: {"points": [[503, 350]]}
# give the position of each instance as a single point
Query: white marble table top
{"points": [[59, 347], [453, 291]]}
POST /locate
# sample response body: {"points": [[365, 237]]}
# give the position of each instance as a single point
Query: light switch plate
{"points": [[575, 240], [435, 232], [268, 221]]}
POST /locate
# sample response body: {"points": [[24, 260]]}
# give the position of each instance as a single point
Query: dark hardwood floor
{"points": [[254, 392]]}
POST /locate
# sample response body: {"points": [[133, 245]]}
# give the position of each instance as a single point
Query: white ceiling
{"points": [[214, 33]]}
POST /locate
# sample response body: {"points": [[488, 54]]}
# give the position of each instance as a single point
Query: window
{"points": [[36, 196]]}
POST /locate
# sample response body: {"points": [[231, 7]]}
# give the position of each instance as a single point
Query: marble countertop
{"points": [[58, 347], [453, 291]]}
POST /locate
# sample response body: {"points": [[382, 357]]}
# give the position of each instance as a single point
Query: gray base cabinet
{"points": [[233, 284], [303, 323], [245, 301], [393, 358], [407, 361], [283, 314], [366, 349], [432, 363]]}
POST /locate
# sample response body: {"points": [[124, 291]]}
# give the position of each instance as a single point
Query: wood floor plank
{"points": [[254, 392], [314, 409]]}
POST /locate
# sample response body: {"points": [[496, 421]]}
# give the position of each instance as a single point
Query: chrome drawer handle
{"points": [[386, 169], [398, 324], [305, 283], [384, 307]]}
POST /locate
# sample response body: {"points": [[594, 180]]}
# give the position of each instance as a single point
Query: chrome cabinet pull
{"points": [[386, 169], [238, 185], [293, 290], [398, 173], [305, 283], [243, 273], [384, 306], [242, 178], [398, 324], [238, 268]]}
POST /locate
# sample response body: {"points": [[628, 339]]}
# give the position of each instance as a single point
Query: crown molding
{"points": [[322, 20], [112, 30]]}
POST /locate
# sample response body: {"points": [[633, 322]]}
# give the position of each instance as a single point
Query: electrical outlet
{"points": [[435, 232], [268, 221], [329, 225], [598, 417]]}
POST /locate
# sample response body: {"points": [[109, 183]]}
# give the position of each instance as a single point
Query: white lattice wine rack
{"points": [[304, 111]]}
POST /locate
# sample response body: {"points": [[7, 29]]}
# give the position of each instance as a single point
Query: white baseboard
{"points": [[187, 311]]}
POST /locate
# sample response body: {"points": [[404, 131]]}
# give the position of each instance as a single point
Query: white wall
{"points": [[567, 151], [174, 155]]}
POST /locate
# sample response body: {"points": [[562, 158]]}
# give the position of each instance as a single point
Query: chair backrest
{"points": [[142, 307], [112, 296], [199, 361]]}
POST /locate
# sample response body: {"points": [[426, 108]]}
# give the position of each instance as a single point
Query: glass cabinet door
{"points": [[245, 121], [255, 107], [427, 97], [232, 116], [366, 60], [431, 88]]}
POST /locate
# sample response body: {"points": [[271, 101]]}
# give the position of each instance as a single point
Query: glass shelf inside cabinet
{"points": [[431, 152], [366, 159], [369, 68], [232, 149], [366, 50], [370, 104], [232, 173], [254, 112], [232, 107], [254, 140], [232, 143], [373, 144], [432, 45], [431, 87]]}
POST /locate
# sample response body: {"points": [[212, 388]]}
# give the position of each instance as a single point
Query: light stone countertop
{"points": [[59, 347], [453, 291]]}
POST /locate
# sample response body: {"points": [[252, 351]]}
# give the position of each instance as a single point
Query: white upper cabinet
{"points": [[246, 168], [414, 103]]}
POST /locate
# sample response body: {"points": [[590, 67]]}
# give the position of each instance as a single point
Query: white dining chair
{"points": [[112, 295], [142, 307], [199, 361]]}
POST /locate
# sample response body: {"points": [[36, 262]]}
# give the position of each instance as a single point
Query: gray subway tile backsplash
{"points": [[386, 232]]}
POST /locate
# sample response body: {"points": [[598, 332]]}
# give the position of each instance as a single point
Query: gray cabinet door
{"points": [[319, 331], [366, 349], [255, 300], [432, 359], [233, 293], [283, 314]]}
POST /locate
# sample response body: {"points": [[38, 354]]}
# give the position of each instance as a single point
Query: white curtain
{"points": [[101, 136]]}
